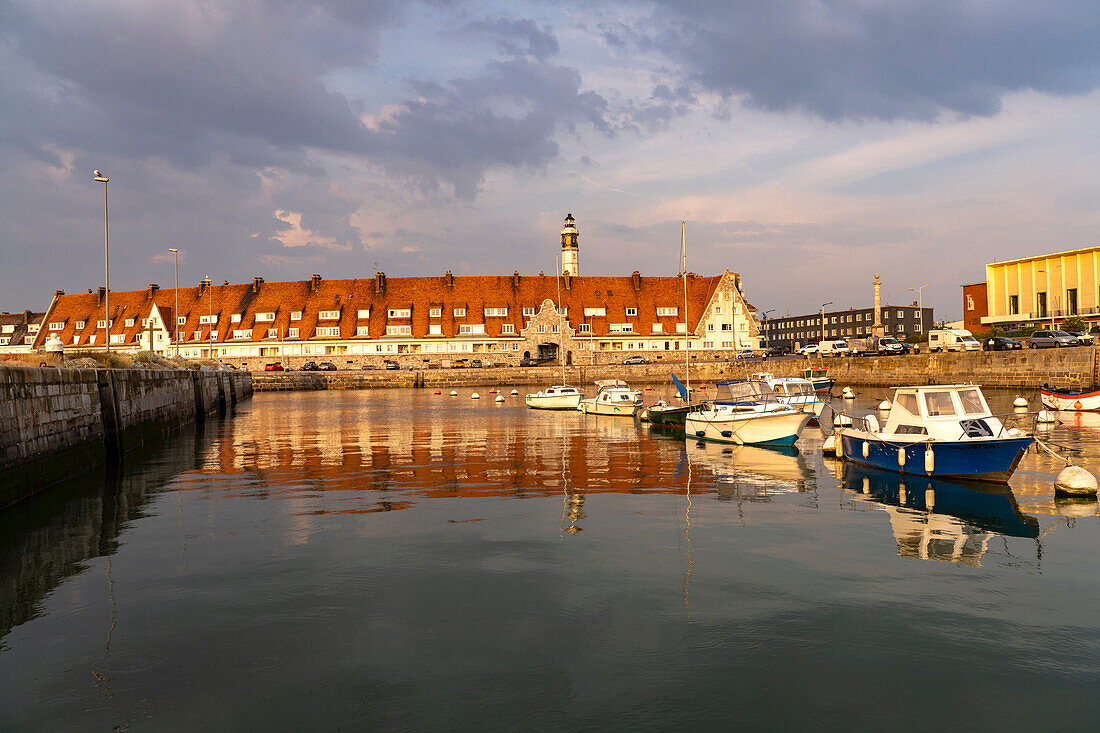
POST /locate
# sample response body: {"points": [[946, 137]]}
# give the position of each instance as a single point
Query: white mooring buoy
{"points": [[500, 398], [515, 391], [454, 393], [884, 405], [1075, 481], [475, 396], [1045, 416], [847, 393], [1019, 402]]}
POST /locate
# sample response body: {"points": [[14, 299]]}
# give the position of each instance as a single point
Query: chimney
{"points": [[449, 279], [379, 283], [102, 293], [153, 287], [314, 283], [515, 279], [256, 282], [568, 278], [203, 285], [225, 282], [636, 278], [26, 317], [58, 293]]}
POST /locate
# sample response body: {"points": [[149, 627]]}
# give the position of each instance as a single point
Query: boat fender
{"points": [[700, 433], [901, 457], [866, 449], [727, 433], [1077, 405], [839, 443], [929, 499], [929, 460], [901, 494], [866, 485]]}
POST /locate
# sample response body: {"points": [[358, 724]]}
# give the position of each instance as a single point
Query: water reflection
{"points": [[934, 519], [752, 473]]}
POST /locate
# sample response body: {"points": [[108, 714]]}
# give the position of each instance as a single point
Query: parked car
{"points": [[1083, 339], [1001, 343], [746, 354], [391, 364], [458, 364], [635, 360], [807, 350], [273, 367], [475, 363], [776, 350], [529, 362], [1048, 339], [310, 366], [326, 366]]}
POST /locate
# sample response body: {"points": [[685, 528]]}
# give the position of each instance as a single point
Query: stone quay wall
{"points": [[1028, 369], [58, 422]]}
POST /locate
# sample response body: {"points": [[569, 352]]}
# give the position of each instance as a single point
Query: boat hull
{"points": [[625, 409], [553, 402], [670, 415], [992, 459], [1071, 401], [767, 428]]}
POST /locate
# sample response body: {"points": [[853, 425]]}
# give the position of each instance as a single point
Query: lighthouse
{"points": [[570, 263]]}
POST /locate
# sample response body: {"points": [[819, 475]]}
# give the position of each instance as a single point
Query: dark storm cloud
{"points": [[884, 59]]}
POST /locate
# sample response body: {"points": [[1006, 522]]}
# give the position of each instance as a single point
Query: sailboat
{"points": [[560, 396], [663, 413]]}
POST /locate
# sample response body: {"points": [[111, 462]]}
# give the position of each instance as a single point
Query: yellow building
{"points": [[1028, 290]]}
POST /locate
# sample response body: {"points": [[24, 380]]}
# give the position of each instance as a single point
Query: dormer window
{"points": [[459, 312], [328, 315]]}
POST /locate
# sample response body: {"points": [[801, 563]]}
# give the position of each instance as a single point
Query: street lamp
{"points": [[823, 319], [1050, 300], [100, 178], [920, 303], [176, 313], [764, 318]]}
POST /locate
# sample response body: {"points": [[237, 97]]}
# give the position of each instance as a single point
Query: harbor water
{"points": [[401, 560]]}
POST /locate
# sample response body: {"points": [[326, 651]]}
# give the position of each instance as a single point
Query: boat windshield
{"points": [[749, 391], [799, 388], [972, 402], [908, 402], [939, 404]]}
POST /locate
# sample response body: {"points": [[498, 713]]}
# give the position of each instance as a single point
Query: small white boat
{"points": [[1069, 400], [560, 397], [793, 391], [613, 397], [750, 415]]}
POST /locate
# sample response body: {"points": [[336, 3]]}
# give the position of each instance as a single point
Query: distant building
{"points": [[432, 317], [18, 331], [1024, 292], [793, 332], [975, 307]]}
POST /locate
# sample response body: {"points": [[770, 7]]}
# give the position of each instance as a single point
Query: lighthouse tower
{"points": [[570, 263]]}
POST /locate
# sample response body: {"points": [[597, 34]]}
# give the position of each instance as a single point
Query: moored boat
{"points": [[936, 430], [561, 397], [613, 397], [819, 377], [748, 415], [672, 415], [793, 391], [1071, 400]]}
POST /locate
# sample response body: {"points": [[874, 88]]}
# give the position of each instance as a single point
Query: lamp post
{"points": [[176, 312], [1050, 300], [823, 319], [767, 336], [920, 303], [100, 178]]}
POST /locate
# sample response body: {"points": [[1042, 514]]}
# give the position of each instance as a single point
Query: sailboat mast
{"points": [[561, 324], [684, 271]]}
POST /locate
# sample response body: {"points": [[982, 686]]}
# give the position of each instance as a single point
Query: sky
{"points": [[807, 144]]}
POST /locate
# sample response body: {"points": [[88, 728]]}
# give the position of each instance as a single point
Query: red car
{"points": [[273, 367]]}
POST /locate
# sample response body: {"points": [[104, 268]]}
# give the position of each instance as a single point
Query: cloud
{"points": [[515, 37], [294, 235], [876, 59]]}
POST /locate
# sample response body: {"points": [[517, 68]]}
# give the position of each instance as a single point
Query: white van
{"points": [[952, 339], [836, 347]]}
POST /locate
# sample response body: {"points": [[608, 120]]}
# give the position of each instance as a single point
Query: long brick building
{"points": [[417, 319]]}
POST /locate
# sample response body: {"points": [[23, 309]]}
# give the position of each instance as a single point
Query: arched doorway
{"points": [[527, 355], [569, 358]]}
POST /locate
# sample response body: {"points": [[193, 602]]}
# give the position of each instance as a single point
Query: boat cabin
{"points": [[745, 392], [942, 412]]}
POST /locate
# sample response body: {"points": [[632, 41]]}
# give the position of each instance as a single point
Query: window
{"points": [[1013, 305], [528, 311], [939, 404], [972, 402], [541, 328], [99, 324], [328, 315], [182, 320], [1041, 304], [362, 330], [657, 328], [292, 333], [901, 314], [398, 330], [242, 333], [435, 329], [710, 326], [908, 402], [33, 328], [7, 329], [399, 313], [118, 338], [235, 318], [507, 328], [459, 312], [470, 328], [970, 302], [667, 311], [5, 340], [681, 328], [622, 328], [584, 328], [328, 331], [273, 333], [496, 312], [294, 316], [729, 326], [363, 314], [595, 311], [632, 311], [57, 325], [1071, 302], [436, 312], [206, 320]]}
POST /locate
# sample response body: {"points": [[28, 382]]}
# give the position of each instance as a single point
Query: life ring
{"points": [[1077, 405]]}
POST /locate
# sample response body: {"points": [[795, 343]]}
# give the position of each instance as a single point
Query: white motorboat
{"points": [[749, 415], [613, 397], [794, 391], [560, 397]]}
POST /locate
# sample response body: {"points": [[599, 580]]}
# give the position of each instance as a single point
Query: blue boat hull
{"points": [[981, 460]]}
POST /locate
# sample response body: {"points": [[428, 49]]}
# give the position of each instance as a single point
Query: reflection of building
{"points": [[433, 318], [1025, 291]]}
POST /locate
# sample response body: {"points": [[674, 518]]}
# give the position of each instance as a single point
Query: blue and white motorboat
{"points": [[793, 391], [749, 414], [946, 431]]}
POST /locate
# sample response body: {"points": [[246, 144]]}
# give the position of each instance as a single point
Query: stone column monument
{"points": [[878, 329]]}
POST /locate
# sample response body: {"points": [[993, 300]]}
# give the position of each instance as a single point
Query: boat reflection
{"points": [[750, 471], [935, 519]]}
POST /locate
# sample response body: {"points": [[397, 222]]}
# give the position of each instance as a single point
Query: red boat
{"points": [[1071, 400]]}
